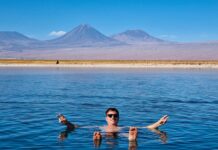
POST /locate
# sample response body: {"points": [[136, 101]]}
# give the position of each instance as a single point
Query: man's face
{"points": [[112, 118]]}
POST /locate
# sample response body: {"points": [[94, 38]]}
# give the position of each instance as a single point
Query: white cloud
{"points": [[57, 33]]}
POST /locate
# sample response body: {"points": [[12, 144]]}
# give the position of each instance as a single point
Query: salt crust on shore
{"points": [[113, 65]]}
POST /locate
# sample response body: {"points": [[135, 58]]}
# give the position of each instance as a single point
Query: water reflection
{"points": [[162, 135], [132, 145], [111, 138], [64, 134], [97, 143]]}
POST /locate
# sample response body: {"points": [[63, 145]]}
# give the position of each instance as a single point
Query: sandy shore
{"points": [[111, 63]]}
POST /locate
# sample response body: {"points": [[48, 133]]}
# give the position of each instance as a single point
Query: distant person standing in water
{"points": [[112, 119]]}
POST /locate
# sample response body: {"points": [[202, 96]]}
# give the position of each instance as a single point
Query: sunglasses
{"points": [[112, 115]]}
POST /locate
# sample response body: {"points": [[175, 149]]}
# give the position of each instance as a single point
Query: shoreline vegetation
{"points": [[111, 63]]}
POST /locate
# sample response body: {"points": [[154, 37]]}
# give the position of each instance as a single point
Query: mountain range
{"points": [[81, 36], [85, 42], [84, 35], [136, 37]]}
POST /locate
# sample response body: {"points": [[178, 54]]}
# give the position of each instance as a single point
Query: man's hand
{"points": [[163, 120], [159, 123], [62, 119]]}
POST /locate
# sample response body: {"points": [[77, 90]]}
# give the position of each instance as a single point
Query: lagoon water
{"points": [[30, 99]]}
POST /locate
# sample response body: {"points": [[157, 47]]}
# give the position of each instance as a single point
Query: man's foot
{"points": [[97, 139], [133, 132], [97, 136]]}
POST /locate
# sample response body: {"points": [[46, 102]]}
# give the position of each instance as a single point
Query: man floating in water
{"points": [[112, 119]]}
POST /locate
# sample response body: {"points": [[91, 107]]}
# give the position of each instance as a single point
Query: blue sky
{"points": [[177, 20]]}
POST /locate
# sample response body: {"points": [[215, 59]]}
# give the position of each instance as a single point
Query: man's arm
{"points": [[159, 123], [63, 120]]}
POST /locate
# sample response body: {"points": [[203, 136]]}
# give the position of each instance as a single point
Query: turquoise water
{"points": [[30, 99]]}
